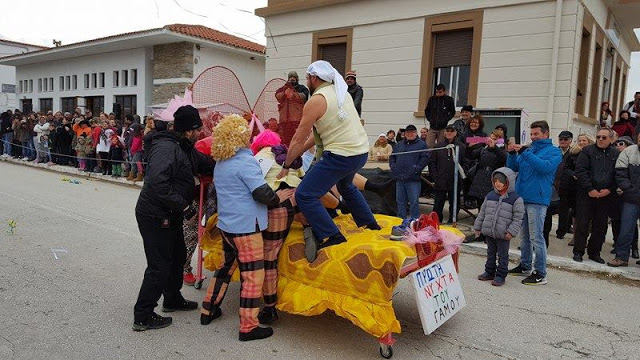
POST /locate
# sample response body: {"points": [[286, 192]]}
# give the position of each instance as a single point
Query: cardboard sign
{"points": [[438, 293], [265, 164]]}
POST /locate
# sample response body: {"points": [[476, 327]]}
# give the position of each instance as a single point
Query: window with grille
{"points": [[452, 63], [333, 46]]}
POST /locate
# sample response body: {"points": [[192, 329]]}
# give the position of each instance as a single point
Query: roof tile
{"points": [[206, 33]]}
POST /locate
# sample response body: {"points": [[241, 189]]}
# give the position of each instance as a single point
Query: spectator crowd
{"points": [[589, 182], [99, 144]]}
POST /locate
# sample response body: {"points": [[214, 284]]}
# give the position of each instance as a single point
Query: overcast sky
{"points": [[78, 20]]}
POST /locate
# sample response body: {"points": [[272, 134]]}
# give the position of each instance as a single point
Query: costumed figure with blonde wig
{"points": [[243, 201]]}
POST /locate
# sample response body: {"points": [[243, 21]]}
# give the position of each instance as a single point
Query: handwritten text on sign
{"points": [[438, 293]]}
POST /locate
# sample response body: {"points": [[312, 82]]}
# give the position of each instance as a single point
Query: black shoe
{"points": [[155, 321], [256, 334], [333, 240], [267, 315], [570, 230], [184, 305], [559, 236], [485, 276], [638, 262], [634, 254], [577, 257], [519, 271], [373, 226], [597, 259], [535, 279], [207, 319]]}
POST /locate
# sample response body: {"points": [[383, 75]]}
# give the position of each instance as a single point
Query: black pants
{"points": [[551, 210], [499, 247], [105, 164], [567, 202], [439, 197], [595, 211], [165, 251]]}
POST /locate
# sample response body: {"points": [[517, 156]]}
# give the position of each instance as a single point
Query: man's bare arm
{"points": [[313, 110]]}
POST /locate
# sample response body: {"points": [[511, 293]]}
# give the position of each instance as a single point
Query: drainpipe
{"points": [[554, 62]]}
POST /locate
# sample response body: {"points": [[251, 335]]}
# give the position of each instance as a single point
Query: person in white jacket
{"points": [[41, 129]]}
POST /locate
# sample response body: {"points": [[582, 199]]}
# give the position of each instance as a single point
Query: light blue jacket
{"points": [[235, 179]]}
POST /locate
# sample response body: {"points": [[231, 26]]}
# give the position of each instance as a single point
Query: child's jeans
{"points": [[499, 247]]}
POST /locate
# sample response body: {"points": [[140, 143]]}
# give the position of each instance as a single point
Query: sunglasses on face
{"points": [[450, 130], [602, 137], [565, 139], [620, 143]]}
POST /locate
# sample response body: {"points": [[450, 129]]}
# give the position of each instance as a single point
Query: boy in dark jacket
{"points": [[499, 220], [406, 169]]}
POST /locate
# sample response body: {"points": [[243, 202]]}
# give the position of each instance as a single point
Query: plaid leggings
{"points": [[248, 250], [190, 229], [280, 220]]}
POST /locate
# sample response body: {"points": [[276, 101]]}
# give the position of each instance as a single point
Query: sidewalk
{"points": [[71, 171], [559, 254]]}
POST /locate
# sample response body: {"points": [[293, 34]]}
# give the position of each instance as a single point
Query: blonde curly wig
{"points": [[231, 134]]}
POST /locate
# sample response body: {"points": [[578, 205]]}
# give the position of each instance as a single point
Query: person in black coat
{"points": [[164, 202], [489, 158], [63, 143], [160, 126], [595, 197], [442, 166], [475, 127], [355, 90], [440, 109]]}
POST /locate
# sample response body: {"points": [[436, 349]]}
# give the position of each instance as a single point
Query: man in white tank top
{"points": [[331, 116]]}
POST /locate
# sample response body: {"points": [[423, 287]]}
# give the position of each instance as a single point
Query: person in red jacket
{"points": [[623, 127], [136, 151]]}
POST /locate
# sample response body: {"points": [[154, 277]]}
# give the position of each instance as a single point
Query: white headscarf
{"points": [[328, 73]]}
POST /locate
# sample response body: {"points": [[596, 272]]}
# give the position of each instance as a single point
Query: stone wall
{"points": [[163, 92], [171, 61]]}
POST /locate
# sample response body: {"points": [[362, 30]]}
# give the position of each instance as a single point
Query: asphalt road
{"points": [[79, 305]]}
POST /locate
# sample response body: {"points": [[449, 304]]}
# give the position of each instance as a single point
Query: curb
{"points": [[72, 171], [560, 263]]}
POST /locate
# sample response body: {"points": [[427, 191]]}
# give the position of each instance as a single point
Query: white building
{"points": [[557, 59], [131, 71], [8, 99]]}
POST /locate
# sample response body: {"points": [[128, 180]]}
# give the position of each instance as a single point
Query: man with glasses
{"points": [[536, 166], [595, 197]]}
